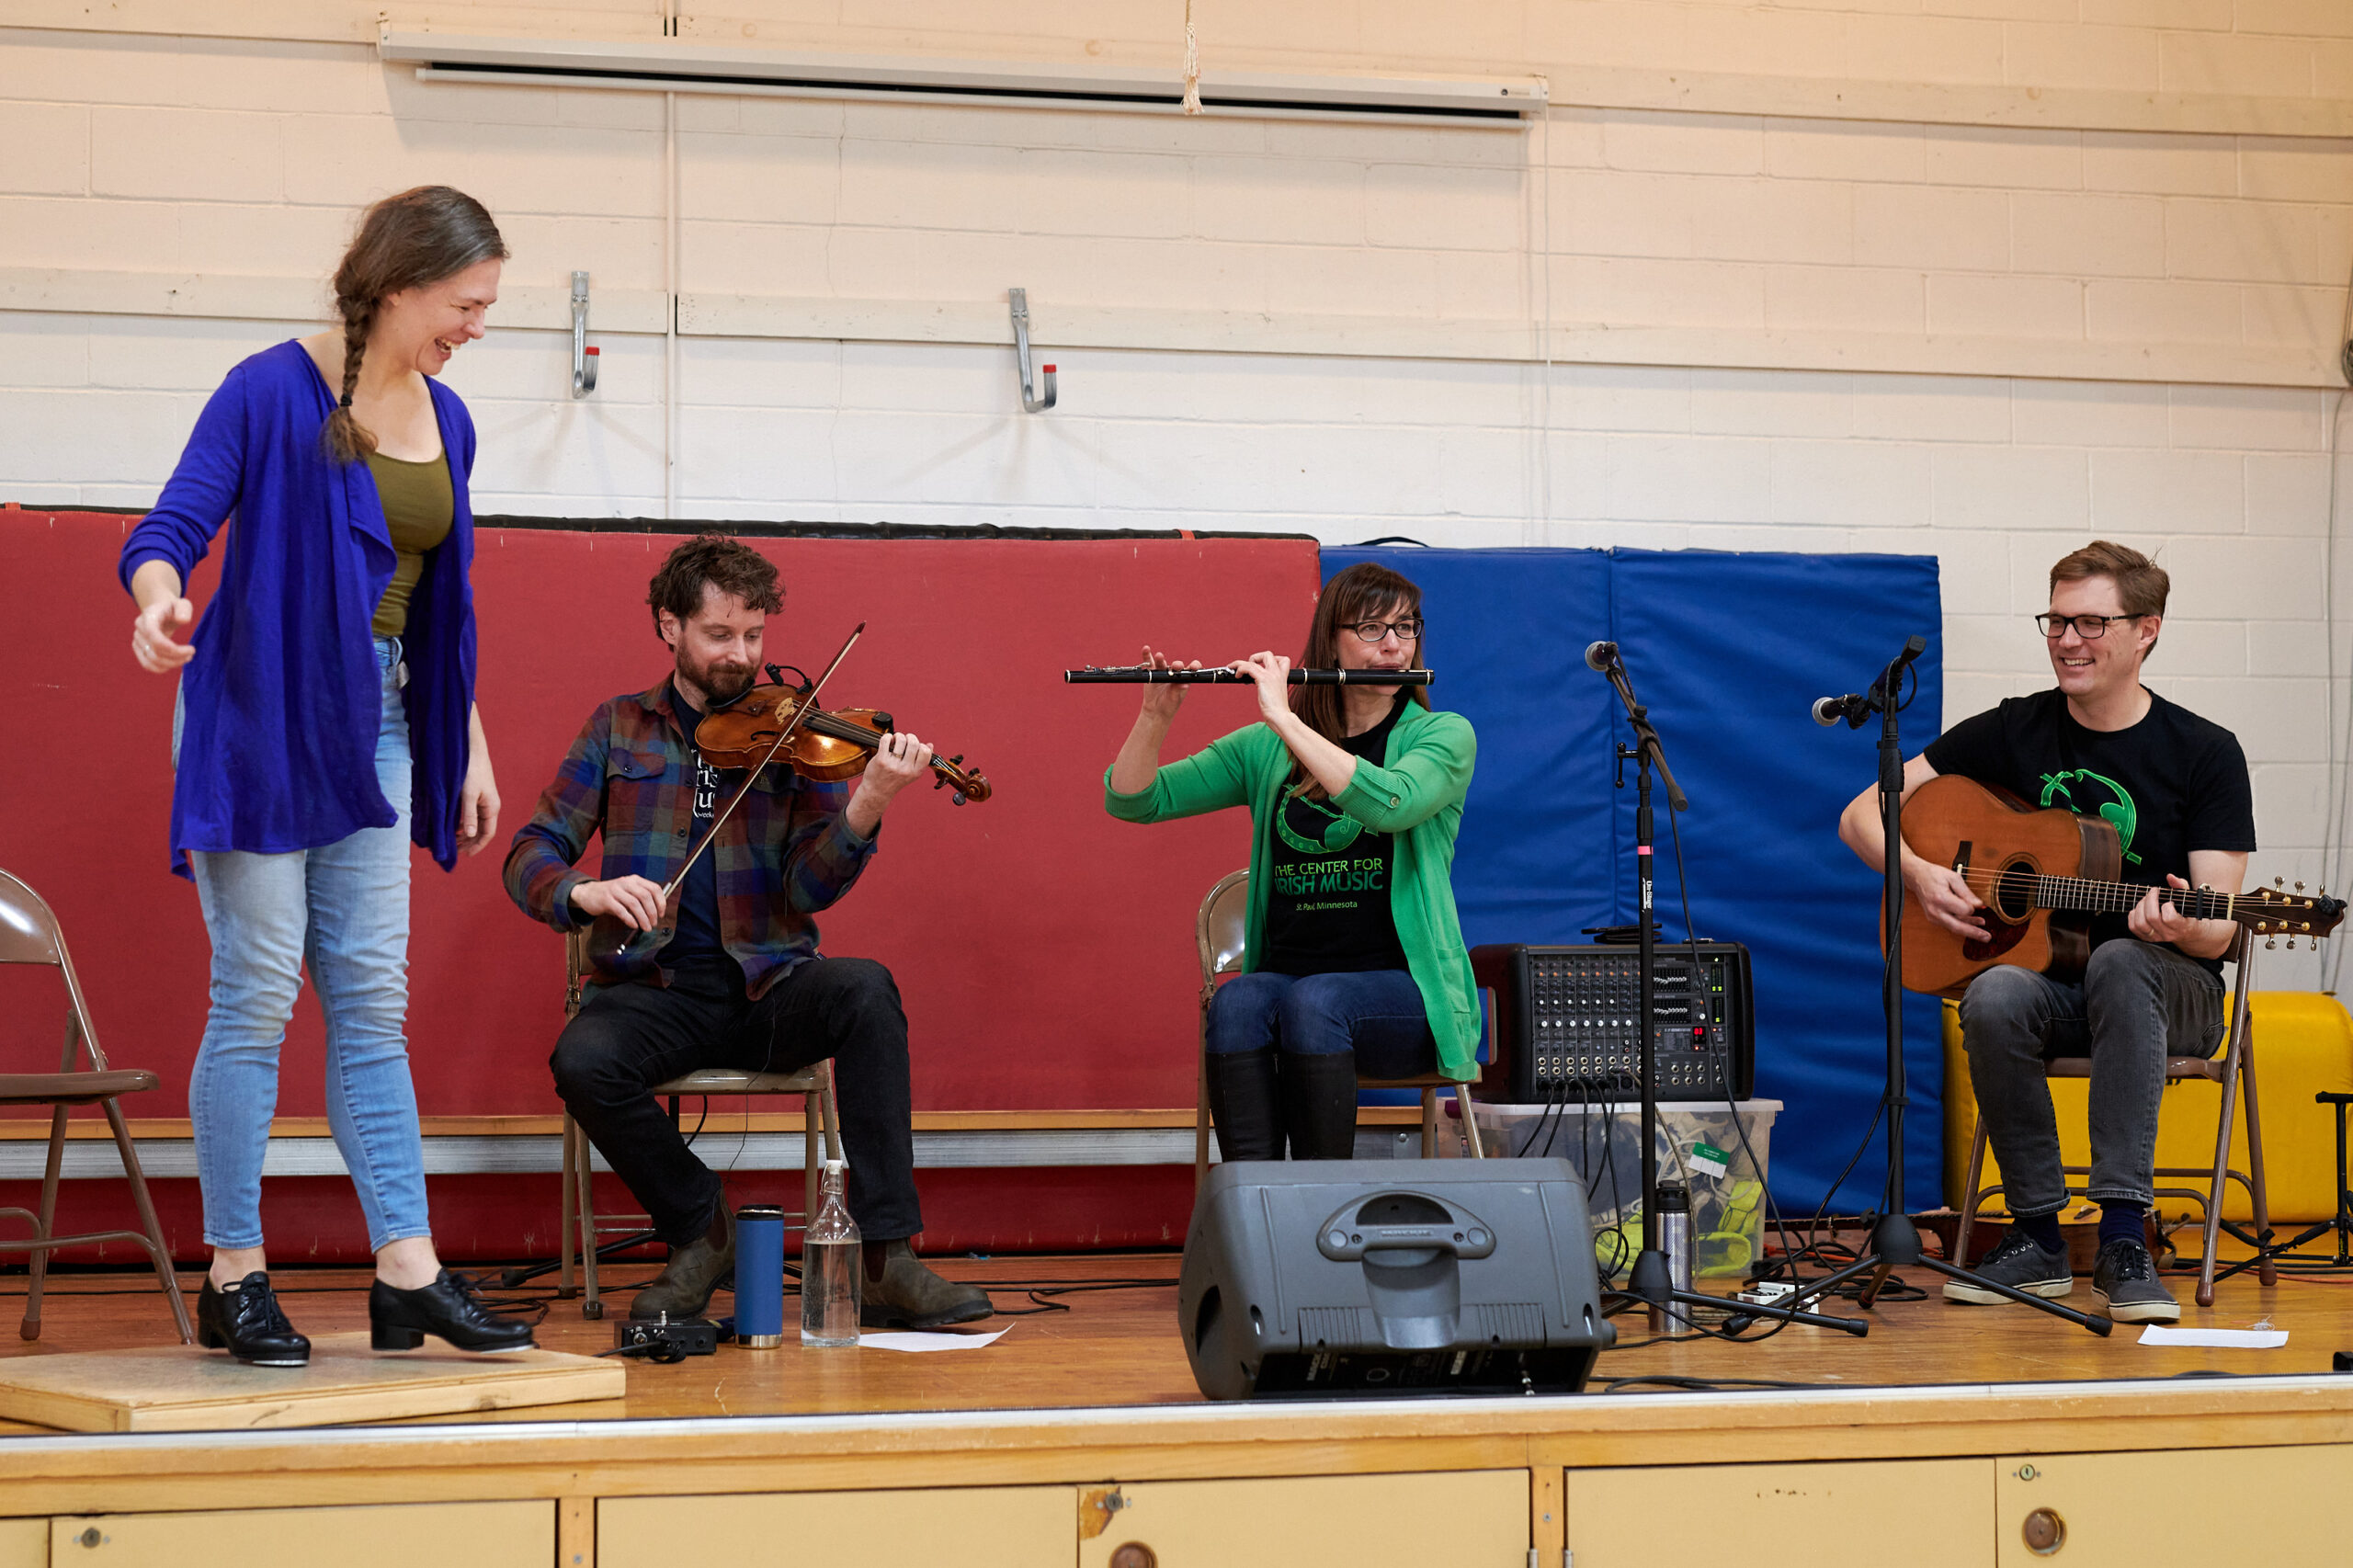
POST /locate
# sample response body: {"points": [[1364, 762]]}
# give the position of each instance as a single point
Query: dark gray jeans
{"points": [[2138, 1003]]}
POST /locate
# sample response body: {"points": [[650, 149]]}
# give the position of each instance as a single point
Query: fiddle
{"points": [[831, 746], [825, 745]]}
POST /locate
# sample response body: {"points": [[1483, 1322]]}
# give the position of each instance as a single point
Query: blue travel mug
{"points": [[759, 1276]]}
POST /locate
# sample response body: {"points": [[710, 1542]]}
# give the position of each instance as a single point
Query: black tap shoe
{"points": [[452, 1308], [245, 1321]]}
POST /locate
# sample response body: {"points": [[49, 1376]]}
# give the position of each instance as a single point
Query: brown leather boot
{"points": [[908, 1295], [683, 1288]]}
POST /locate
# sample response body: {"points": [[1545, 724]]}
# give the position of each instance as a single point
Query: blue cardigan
{"points": [[281, 703]]}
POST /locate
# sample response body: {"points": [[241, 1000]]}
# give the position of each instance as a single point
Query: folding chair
{"points": [[2233, 1068], [29, 934], [813, 1083], [1218, 929]]}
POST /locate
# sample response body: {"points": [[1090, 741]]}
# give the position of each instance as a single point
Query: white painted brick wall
{"points": [[243, 157]]}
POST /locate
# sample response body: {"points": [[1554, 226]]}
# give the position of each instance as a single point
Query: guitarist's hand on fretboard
{"points": [[1943, 896], [2161, 921]]}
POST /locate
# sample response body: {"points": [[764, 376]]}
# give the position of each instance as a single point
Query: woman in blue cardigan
{"points": [[325, 718]]}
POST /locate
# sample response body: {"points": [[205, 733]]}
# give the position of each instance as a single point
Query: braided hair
{"points": [[418, 237]]}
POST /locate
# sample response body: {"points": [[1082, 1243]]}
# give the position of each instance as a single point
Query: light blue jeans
{"points": [[342, 910]]}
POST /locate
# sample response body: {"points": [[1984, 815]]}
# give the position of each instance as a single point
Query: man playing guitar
{"points": [[2175, 788]]}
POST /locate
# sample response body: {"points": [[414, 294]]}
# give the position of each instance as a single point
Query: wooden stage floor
{"points": [[1118, 1347], [1078, 1439]]}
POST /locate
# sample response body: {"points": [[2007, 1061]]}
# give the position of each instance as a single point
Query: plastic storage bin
{"points": [[1605, 1144]]}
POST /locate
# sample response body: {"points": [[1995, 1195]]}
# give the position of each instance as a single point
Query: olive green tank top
{"points": [[418, 510]]}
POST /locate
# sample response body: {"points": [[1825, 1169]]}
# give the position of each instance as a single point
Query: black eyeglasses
{"points": [[2090, 628], [1407, 631]]}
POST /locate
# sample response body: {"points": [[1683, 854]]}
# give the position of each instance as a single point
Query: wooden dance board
{"points": [[177, 1388]]}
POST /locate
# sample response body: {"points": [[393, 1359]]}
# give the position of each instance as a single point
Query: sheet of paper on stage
{"points": [[2217, 1338], [931, 1341]]}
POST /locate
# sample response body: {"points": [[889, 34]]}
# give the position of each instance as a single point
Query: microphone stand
{"points": [[1895, 1241], [1652, 1283]]}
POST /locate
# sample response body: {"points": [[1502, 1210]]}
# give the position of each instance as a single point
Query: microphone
{"points": [[1829, 710], [1600, 656]]}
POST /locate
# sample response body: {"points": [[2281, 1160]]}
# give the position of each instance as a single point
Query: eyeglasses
{"points": [[2090, 628], [1407, 631]]}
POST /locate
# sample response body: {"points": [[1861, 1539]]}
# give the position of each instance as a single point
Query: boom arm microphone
{"points": [[1600, 656]]}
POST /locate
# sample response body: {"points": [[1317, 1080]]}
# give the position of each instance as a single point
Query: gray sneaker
{"points": [[2020, 1263], [2124, 1280]]}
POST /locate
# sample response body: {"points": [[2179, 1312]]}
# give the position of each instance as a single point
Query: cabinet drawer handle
{"points": [[1134, 1554], [2045, 1532]]}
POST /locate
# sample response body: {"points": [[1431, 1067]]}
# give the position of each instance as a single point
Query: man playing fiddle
{"points": [[741, 983], [2176, 786]]}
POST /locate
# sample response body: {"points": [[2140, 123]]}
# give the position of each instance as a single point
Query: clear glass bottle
{"points": [[831, 1276]]}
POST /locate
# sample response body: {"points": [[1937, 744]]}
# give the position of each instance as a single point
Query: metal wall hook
{"points": [[1033, 401], [584, 355]]}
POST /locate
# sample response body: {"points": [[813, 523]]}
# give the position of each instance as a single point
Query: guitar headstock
{"points": [[2276, 911]]}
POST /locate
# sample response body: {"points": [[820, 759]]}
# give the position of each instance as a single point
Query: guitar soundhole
{"points": [[2014, 891]]}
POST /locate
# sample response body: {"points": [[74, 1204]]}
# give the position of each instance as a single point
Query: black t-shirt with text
{"points": [[696, 957], [2172, 783], [1327, 894]]}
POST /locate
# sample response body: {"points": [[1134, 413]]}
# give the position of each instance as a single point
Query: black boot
{"points": [[450, 1308], [1242, 1105], [1320, 1105], [245, 1320]]}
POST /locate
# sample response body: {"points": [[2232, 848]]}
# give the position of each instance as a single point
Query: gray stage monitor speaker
{"points": [[1323, 1278]]}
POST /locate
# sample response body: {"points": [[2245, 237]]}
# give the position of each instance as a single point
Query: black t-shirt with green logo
{"points": [[1327, 896], [2172, 783]]}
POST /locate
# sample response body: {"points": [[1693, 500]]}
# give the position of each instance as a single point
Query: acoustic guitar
{"points": [[2041, 876]]}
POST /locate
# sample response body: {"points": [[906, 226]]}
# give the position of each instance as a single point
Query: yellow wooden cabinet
{"points": [[2220, 1508], [1464, 1519], [396, 1536], [975, 1527], [1921, 1513]]}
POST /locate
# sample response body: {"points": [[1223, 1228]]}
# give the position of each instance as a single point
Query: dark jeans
{"points": [[1378, 1014], [629, 1037], [2138, 1003]]}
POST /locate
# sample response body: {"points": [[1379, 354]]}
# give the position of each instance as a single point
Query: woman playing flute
{"points": [[1353, 957]]}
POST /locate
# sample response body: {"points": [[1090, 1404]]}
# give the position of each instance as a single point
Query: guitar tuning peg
{"points": [[2279, 882], [2292, 944], [2300, 887], [2270, 943]]}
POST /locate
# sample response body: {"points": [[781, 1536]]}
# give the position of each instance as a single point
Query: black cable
{"points": [[1702, 1385]]}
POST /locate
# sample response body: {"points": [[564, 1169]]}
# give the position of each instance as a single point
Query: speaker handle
{"points": [[1344, 1238]]}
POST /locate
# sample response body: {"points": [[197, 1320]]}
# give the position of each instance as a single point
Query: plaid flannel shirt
{"points": [[786, 854]]}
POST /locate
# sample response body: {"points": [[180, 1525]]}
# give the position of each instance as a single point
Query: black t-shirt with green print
{"points": [[2172, 783], [1328, 881]]}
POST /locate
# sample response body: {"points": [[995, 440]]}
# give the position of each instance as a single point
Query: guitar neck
{"points": [[2115, 898]]}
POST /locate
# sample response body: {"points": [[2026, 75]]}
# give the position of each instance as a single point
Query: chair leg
{"points": [[1970, 1198], [2219, 1180], [30, 1327], [2269, 1271], [564, 1289], [585, 1172], [812, 1135], [1429, 1123], [148, 1222], [1470, 1127], [1200, 1121], [833, 1109]]}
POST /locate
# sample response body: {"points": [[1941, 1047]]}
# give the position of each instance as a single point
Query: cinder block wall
{"points": [[1973, 277]]}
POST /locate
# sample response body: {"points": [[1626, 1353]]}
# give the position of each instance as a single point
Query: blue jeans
{"points": [[343, 910], [1378, 1014]]}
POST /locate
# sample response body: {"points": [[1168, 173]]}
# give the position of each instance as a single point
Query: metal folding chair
{"points": [[1218, 928], [2233, 1068], [819, 1117], [29, 934]]}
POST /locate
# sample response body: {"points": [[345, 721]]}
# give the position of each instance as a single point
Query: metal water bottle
{"points": [[1675, 1232], [759, 1276], [831, 1275]]}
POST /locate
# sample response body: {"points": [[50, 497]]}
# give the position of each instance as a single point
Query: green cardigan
{"points": [[1417, 797]]}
